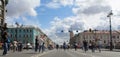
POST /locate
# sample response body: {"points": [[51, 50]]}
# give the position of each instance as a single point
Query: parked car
{"points": [[27, 46]]}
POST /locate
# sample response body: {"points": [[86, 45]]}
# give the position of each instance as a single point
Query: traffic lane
{"points": [[56, 53], [24, 53], [98, 54], [62, 53]]}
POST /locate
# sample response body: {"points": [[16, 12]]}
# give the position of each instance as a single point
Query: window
{"points": [[15, 35], [30, 35], [30, 30], [113, 36], [27, 36], [104, 41], [20, 36], [118, 37], [20, 30], [24, 30], [11, 30], [24, 36], [27, 30]]}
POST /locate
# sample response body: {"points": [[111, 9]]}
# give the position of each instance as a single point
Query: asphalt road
{"points": [[62, 53], [80, 53]]}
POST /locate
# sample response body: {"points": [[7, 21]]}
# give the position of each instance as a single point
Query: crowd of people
{"points": [[19, 46], [92, 45], [40, 45]]}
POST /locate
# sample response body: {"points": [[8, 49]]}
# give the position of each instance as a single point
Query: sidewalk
{"points": [[24, 53]]}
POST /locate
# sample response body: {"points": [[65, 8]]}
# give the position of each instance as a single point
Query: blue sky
{"points": [[52, 16], [46, 15]]}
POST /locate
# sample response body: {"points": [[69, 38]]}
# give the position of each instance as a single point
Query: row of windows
{"points": [[20, 36], [20, 30], [114, 37], [103, 41]]}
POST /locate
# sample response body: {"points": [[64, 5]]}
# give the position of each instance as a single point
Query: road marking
{"points": [[38, 55]]}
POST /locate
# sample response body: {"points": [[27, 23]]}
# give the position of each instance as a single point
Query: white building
{"points": [[103, 35]]}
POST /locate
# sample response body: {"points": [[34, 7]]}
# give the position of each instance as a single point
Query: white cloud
{"points": [[66, 2], [63, 24], [88, 14], [17, 8], [55, 4]]}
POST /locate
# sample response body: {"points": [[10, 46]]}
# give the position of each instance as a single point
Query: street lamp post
{"points": [[111, 44]]}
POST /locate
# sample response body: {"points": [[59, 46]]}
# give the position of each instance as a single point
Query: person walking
{"points": [[5, 45], [99, 45], [75, 46], [40, 44], [64, 46], [8, 43], [93, 45], [57, 46], [85, 45], [36, 44], [15, 45], [19, 46], [43, 47]]}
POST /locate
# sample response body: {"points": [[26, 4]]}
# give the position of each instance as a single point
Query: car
{"points": [[27, 46]]}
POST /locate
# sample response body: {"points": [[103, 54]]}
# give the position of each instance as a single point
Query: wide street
{"points": [[80, 53], [62, 53]]}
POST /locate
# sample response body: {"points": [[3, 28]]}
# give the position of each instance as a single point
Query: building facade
{"points": [[25, 34], [71, 41], [95, 35]]}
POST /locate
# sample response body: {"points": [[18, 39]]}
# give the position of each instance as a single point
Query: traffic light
{"points": [[69, 31], [76, 30], [62, 31]]}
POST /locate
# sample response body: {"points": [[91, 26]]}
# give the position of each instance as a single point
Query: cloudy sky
{"points": [[52, 16]]}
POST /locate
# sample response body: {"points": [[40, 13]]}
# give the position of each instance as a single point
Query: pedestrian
{"points": [[85, 45], [93, 45], [68, 46], [43, 47], [5, 45], [36, 44], [75, 46], [99, 45], [40, 44], [8, 43], [64, 46], [19, 46], [57, 46], [15, 45]]}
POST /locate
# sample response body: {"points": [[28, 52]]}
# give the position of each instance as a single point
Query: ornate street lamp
{"points": [[109, 16]]}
